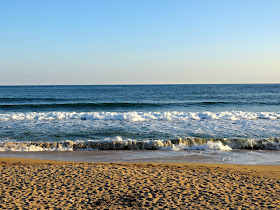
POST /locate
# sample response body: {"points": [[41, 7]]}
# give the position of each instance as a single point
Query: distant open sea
{"points": [[140, 117]]}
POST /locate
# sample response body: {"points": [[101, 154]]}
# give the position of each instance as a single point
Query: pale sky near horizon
{"points": [[92, 42]]}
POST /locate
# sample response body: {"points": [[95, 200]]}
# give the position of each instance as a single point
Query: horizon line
{"points": [[138, 84]]}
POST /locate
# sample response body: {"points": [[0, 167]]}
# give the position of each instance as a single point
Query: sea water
{"points": [[170, 119]]}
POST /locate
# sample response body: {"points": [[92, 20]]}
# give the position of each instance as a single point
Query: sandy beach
{"points": [[42, 184]]}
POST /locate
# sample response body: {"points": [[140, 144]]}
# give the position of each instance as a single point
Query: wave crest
{"points": [[118, 143]]}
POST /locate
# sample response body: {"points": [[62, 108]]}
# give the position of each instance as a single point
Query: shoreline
{"points": [[32, 183], [241, 157]]}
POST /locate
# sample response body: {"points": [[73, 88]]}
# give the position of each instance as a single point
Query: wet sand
{"points": [[244, 157], [43, 184]]}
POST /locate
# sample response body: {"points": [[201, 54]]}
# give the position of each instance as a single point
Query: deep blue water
{"points": [[122, 98]]}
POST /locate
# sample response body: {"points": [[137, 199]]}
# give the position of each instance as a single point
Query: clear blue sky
{"points": [[139, 41]]}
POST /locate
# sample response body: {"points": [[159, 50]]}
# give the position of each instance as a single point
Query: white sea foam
{"points": [[208, 146], [31, 147], [141, 116], [245, 127]]}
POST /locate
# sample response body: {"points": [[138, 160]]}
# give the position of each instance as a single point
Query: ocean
{"points": [[173, 119]]}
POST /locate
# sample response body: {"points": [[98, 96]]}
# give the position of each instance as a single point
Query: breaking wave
{"points": [[141, 116], [118, 143]]}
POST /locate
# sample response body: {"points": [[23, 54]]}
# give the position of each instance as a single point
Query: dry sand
{"points": [[32, 184]]}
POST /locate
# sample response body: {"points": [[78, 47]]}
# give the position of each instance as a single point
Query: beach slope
{"points": [[44, 184]]}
